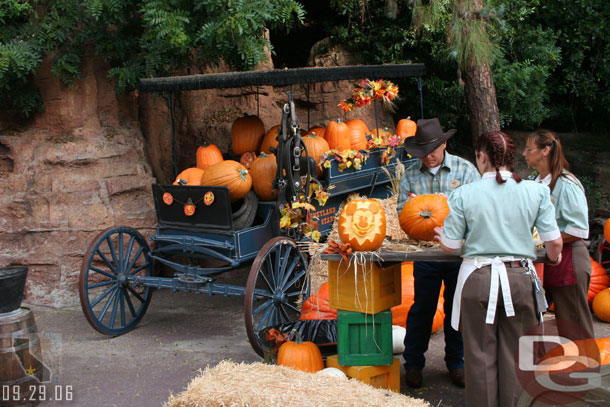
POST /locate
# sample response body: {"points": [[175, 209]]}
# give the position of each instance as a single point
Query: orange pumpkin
{"points": [[607, 230], [400, 312], [300, 355], [192, 176], [270, 139], [263, 171], [207, 155], [594, 349], [406, 128], [357, 131], [384, 133], [362, 224], [247, 158], [421, 214], [318, 130], [246, 134], [601, 305], [316, 147], [230, 174], [338, 136], [317, 306], [599, 280]]}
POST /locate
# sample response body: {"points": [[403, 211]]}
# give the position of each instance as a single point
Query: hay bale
{"points": [[261, 385]]}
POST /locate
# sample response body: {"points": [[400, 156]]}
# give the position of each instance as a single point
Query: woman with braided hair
{"points": [[490, 225], [568, 283]]}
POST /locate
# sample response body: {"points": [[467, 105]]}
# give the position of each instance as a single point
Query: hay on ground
{"points": [[261, 385]]}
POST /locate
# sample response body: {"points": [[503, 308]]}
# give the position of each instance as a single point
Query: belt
{"points": [[513, 264]]}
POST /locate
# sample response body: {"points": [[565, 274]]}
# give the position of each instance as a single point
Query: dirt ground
{"points": [[180, 334]]}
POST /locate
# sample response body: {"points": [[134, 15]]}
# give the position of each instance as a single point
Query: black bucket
{"points": [[12, 285]]}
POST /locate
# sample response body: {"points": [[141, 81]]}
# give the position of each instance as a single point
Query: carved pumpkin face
{"points": [[362, 224]]}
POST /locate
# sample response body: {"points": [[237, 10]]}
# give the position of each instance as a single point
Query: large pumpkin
{"points": [[607, 230], [300, 355], [595, 350], [421, 214], [337, 135], [230, 174], [192, 176], [406, 128], [263, 171], [362, 224], [317, 306], [599, 280], [246, 134], [208, 155], [357, 131], [318, 130], [400, 312], [601, 305], [316, 147]]}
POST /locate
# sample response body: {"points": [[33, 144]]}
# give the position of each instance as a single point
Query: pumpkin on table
{"points": [[421, 214], [192, 176], [338, 136], [263, 171], [299, 355], [362, 224], [316, 147], [230, 174], [207, 155], [357, 131], [406, 128], [246, 134]]}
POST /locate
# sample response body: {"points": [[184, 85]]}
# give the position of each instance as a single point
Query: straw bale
{"points": [[261, 385]]}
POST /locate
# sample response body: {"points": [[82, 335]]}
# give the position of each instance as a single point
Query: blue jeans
{"points": [[427, 285]]}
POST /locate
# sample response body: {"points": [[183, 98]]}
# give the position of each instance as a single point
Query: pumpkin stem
{"points": [[263, 154], [425, 214], [243, 173], [297, 336]]}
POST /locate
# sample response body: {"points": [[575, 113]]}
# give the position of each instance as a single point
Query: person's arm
{"points": [[547, 228], [553, 250], [451, 235], [449, 250], [573, 210]]}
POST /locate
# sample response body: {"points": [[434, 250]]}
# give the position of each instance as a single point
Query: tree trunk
{"points": [[481, 99]]}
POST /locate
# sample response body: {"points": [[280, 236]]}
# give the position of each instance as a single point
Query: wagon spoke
{"points": [[102, 272], [102, 284], [266, 317], [108, 262], [121, 248], [107, 305], [130, 305], [115, 308], [261, 307], [122, 309], [296, 279], [269, 268], [128, 254], [289, 271], [276, 269], [136, 271], [101, 297], [112, 252], [134, 292]]}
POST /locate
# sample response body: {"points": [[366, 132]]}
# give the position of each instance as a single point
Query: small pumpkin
{"points": [[421, 214], [270, 139], [246, 134], [362, 224], [398, 339], [247, 158], [300, 355], [601, 305], [599, 280], [358, 131], [406, 128], [338, 136], [384, 133], [317, 130], [207, 155], [230, 174], [317, 306], [316, 147], [333, 372], [607, 230], [263, 171], [192, 176]]}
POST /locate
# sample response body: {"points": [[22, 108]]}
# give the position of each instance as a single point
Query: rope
{"points": [[421, 96]]}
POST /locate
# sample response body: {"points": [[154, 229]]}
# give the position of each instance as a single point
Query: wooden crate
{"points": [[381, 377], [364, 339]]}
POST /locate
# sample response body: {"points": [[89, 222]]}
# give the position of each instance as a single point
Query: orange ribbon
{"points": [[275, 336], [343, 249]]}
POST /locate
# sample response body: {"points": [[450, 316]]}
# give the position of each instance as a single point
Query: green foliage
{"points": [[596, 197]]}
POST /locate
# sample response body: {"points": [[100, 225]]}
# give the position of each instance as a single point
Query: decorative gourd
{"points": [[599, 280], [338, 136], [207, 155], [263, 171], [406, 128], [317, 306], [318, 130], [192, 176], [246, 134], [398, 338], [230, 174], [400, 312], [247, 158], [357, 131], [300, 355], [316, 147], [333, 372], [421, 214], [607, 230], [270, 139], [362, 224], [601, 305], [593, 350]]}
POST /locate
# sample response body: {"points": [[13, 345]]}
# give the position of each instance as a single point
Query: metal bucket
{"points": [[12, 285]]}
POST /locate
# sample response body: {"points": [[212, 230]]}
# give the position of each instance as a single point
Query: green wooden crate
{"points": [[364, 339]]}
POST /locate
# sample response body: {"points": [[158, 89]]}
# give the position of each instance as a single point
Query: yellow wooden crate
{"points": [[366, 288], [381, 377]]}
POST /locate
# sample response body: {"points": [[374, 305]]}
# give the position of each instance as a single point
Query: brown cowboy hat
{"points": [[428, 137]]}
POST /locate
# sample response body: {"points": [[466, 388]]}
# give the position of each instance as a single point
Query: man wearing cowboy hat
{"points": [[434, 171]]}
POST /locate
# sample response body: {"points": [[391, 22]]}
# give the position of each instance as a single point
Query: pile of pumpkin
{"points": [[599, 293], [257, 164]]}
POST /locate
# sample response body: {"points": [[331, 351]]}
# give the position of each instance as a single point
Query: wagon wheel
{"points": [[278, 280], [111, 302]]}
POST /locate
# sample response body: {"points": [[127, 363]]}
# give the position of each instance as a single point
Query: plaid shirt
{"points": [[418, 179]]}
